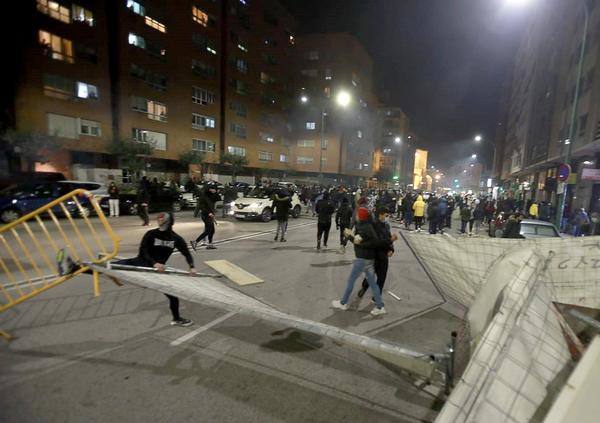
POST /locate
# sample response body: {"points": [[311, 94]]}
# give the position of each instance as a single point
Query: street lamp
{"points": [[478, 138], [304, 99], [397, 140], [473, 156], [343, 98]]}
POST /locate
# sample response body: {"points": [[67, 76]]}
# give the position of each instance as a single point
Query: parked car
{"points": [[29, 177], [163, 200], [531, 228], [20, 199], [258, 204]]}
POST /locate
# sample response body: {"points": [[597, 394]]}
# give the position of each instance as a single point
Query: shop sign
{"points": [[590, 174], [564, 170]]}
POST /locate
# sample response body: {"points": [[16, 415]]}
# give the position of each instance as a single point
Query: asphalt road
{"points": [[116, 358]]}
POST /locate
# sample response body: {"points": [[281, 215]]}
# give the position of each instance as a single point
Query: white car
{"points": [[257, 204]]}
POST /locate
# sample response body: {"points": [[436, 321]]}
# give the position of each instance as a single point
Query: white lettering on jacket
{"points": [[162, 243]]}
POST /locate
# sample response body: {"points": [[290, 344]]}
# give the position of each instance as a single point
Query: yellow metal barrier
{"points": [[30, 244]]}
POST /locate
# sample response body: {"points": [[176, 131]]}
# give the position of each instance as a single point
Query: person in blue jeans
{"points": [[365, 244]]}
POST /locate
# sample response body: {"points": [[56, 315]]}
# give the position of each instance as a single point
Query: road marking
{"points": [[201, 329], [233, 272]]}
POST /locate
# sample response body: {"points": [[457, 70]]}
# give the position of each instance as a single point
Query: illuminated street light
{"points": [[465, 171], [472, 165], [397, 140], [473, 156], [517, 3], [343, 98], [304, 99], [478, 138]]}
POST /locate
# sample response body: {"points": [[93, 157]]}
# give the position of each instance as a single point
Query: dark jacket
{"points": [[343, 217], [143, 194], [385, 236], [512, 229], [370, 241], [113, 192], [465, 213], [433, 211], [206, 201], [282, 205], [157, 246], [325, 210]]}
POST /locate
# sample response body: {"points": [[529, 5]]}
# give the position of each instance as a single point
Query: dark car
{"points": [[165, 199], [20, 199]]}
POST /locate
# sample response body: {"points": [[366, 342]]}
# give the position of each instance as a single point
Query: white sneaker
{"points": [[378, 311], [338, 304]]}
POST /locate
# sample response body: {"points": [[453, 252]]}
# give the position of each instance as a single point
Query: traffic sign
{"points": [[564, 170]]}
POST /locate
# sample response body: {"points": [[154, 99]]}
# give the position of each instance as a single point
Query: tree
{"points": [[236, 162], [132, 154], [31, 147], [191, 157]]}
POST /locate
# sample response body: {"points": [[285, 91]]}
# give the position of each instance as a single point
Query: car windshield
{"points": [[15, 190], [258, 192]]}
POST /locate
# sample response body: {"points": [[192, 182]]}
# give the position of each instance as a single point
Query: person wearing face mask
{"points": [[384, 250], [155, 249]]}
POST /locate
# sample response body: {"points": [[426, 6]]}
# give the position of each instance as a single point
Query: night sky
{"points": [[444, 62]]}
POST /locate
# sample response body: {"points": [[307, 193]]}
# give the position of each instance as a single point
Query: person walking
{"points": [[143, 200], [465, 217], [365, 242], [324, 210], [113, 199], [418, 208], [384, 250], [433, 216], [343, 221], [282, 202], [206, 205], [478, 214], [156, 247]]}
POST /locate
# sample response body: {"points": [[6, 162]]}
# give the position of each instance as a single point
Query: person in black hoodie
{"points": [[143, 199], [155, 249], [324, 210], [433, 215], [343, 221], [206, 204], [383, 252], [282, 202]]}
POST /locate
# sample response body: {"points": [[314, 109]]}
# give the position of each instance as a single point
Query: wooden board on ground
{"points": [[234, 273]]}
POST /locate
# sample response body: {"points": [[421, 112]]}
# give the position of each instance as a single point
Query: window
{"points": [[304, 160], [153, 49], [242, 47], [202, 96], [89, 127], [236, 151], [62, 126], [202, 18], [86, 90], [136, 7], [56, 47], [265, 78], [311, 73], [202, 122], [136, 40], [265, 156], [328, 74], [86, 53], [323, 160], [324, 144], [241, 65], [291, 39], [238, 130], [211, 49], [306, 143], [158, 140], [239, 108], [240, 87], [312, 55], [154, 109], [327, 91], [311, 126], [58, 86], [283, 158], [264, 137], [153, 79], [81, 14], [203, 145], [202, 69], [54, 10], [153, 23], [267, 119]]}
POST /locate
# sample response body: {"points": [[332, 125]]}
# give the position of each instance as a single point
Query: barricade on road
{"points": [[31, 246]]}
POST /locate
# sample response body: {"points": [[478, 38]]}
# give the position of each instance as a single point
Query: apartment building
{"points": [[331, 139], [542, 96], [393, 156]]}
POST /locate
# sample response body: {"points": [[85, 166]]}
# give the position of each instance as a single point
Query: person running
{"points": [[282, 202], [143, 200], [113, 199], [343, 221], [324, 210], [383, 251], [155, 249], [365, 242], [419, 211], [206, 202]]}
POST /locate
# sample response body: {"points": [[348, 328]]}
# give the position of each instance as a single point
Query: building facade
{"points": [[393, 157]]}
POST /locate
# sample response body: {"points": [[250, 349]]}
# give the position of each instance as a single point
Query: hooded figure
{"points": [[324, 210], [282, 202]]}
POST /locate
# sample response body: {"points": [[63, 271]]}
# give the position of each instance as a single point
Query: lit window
{"points": [[202, 122], [306, 143], [54, 10], [202, 96], [283, 158], [327, 92], [242, 47], [387, 151], [86, 90], [304, 160], [56, 47], [154, 109], [291, 39], [211, 49], [136, 40], [203, 145], [264, 78], [136, 7], [200, 17], [239, 108], [264, 137], [236, 151], [153, 23], [324, 144], [265, 156], [328, 74], [89, 127], [81, 14], [311, 125], [158, 140]]}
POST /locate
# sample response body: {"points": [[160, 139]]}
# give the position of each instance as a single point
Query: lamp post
{"points": [[569, 141]]}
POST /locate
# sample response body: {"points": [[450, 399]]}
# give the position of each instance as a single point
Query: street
{"points": [[115, 357]]}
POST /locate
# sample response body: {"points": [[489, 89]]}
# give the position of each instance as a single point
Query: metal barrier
{"points": [[30, 244]]}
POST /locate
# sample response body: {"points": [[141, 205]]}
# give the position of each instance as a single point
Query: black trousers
{"points": [[418, 222], [140, 262], [143, 213], [381, 268], [323, 230], [209, 228], [343, 239], [433, 226]]}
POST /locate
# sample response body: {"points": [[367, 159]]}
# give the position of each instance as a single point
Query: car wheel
{"points": [[296, 212], [176, 206], [498, 233], [84, 211], [9, 215], [265, 216], [133, 209]]}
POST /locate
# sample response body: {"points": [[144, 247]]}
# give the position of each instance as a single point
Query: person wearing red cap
{"points": [[365, 242]]}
